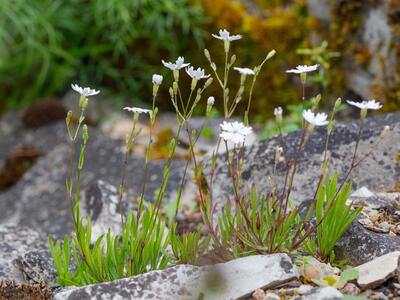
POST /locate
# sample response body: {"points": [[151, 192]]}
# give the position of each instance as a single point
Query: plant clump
{"points": [[240, 223]]}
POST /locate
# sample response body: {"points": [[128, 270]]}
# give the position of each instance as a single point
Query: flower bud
{"points": [[207, 54], [68, 118], [278, 114], [208, 82], [85, 134], [315, 101], [338, 102], [278, 153], [157, 79], [385, 131], [210, 103], [270, 54], [233, 59]]}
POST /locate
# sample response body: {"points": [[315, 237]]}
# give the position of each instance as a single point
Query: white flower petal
{"points": [[303, 69], [371, 104], [244, 71], [137, 110], [319, 119], [84, 91]]}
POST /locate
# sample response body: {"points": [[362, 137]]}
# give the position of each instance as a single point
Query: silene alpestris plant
{"points": [[245, 222]]}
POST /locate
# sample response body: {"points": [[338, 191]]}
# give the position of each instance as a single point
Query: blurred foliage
{"points": [[47, 44], [274, 26]]}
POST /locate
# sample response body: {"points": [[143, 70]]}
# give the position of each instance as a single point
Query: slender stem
{"points": [[125, 165], [165, 178], [148, 157]]}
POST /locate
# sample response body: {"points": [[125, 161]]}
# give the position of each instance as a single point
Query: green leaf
{"points": [[346, 276]]}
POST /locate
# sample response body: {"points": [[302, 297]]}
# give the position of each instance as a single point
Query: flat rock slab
{"points": [[231, 280], [39, 199], [377, 271], [15, 242], [381, 170]]}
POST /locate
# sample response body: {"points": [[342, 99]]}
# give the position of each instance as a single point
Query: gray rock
{"points": [[376, 200], [379, 170], [231, 280], [43, 138], [37, 266], [17, 241], [325, 293], [360, 245], [378, 270], [43, 186], [101, 203]]}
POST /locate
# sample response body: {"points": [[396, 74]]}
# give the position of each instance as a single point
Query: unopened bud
{"points": [[271, 54], [385, 131], [315, 101], [68, 118], [85, 134], [278, 114], [208, 82], [233, 59], [278, 153], [338, 102], [207, 54]]}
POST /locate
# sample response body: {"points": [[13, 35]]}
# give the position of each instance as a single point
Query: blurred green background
{"points": [[116, 45]]}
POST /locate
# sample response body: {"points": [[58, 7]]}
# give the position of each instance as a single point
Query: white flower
{"points": [[157, 79], [86, 92], [371, 104], [179, 64], [196, 74], [319, 119], [235, 132], [210, 101], [225, 36], [138, 110], [303, 69], [278, 111], [244, 71]]}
